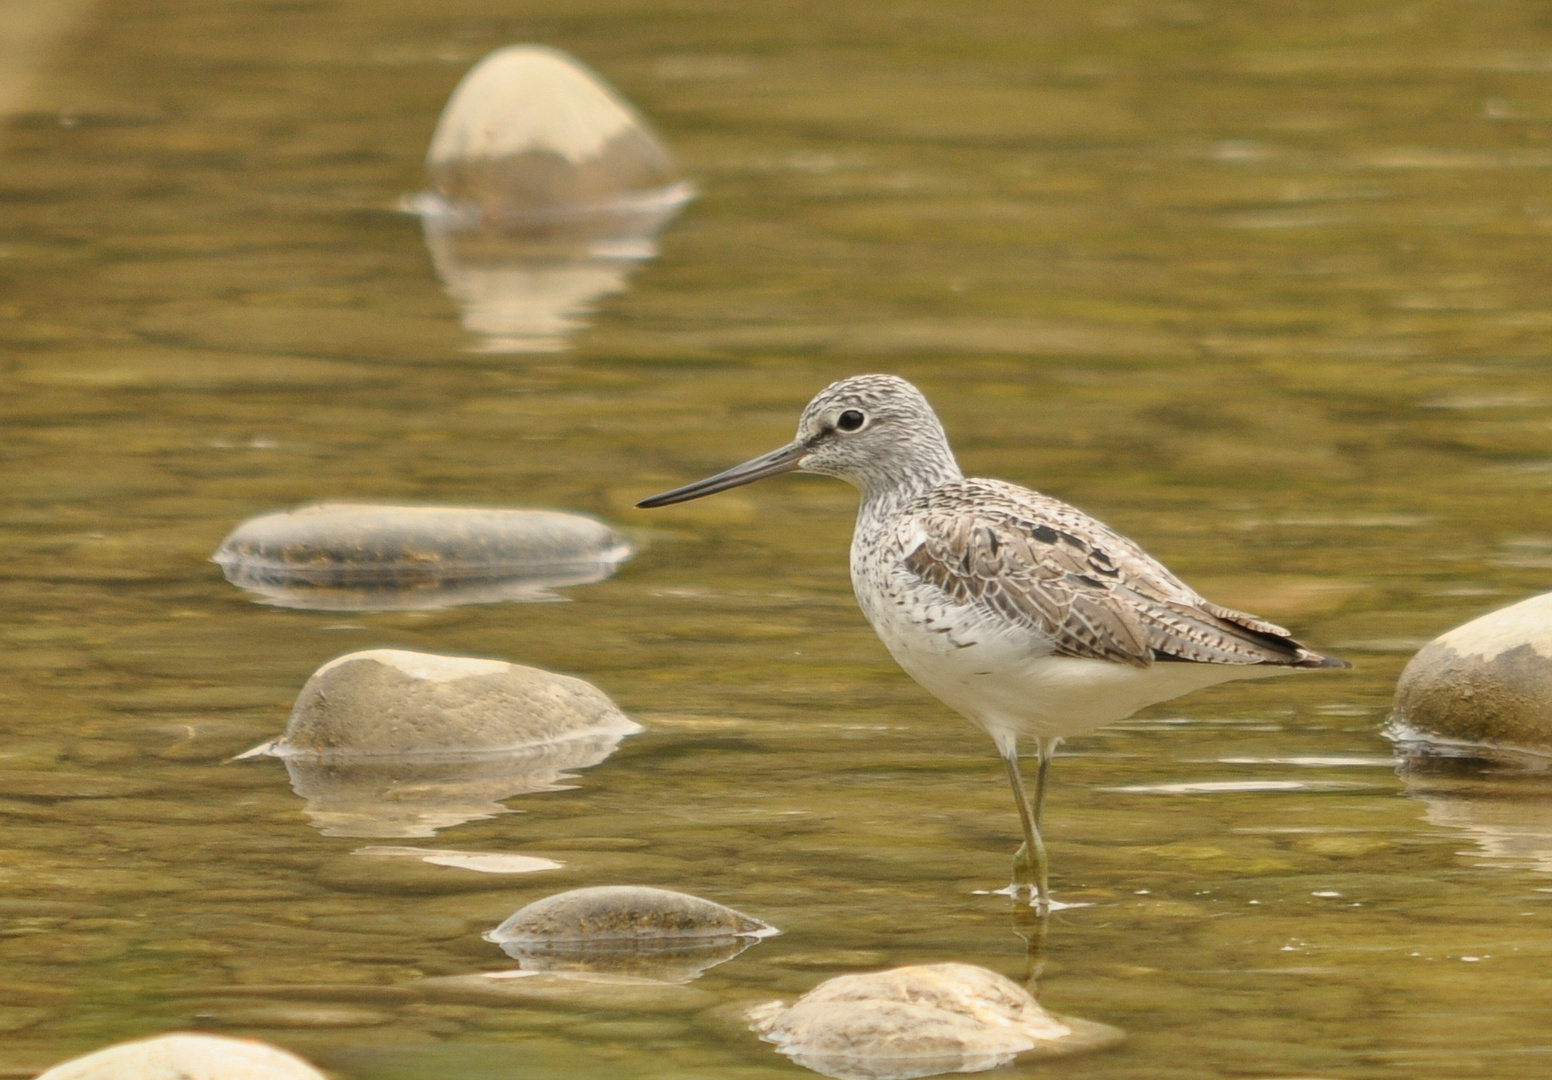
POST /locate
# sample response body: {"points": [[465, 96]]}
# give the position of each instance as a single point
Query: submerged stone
{"points": [[346, 557], [392, 743], [631, 929], [186, 1057], [919, 1021], [1487, 683]]}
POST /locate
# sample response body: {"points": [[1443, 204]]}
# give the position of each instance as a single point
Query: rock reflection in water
{"points": [[348, 557], [627, 930], [548, 188], [1501, 799], [920, 1021], [390, 743], [409, 798]]}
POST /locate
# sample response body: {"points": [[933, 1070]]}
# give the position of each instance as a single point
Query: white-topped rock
{"points": [[1486, 683], [372, 557], [531, 132], [919, 1021], [186, 1057]]}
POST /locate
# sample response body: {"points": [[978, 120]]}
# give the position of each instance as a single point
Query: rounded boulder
{"points": [[919, 1021], [396, 703], [186, 1057], [1485, 683]]}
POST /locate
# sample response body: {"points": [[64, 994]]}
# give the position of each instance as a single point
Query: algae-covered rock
{"points": [[186, 1057], [630, 929], [392, 743], [347, 557], [1486, 683], [919, 1021]]}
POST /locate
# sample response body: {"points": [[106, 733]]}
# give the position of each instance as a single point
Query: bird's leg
{"points": [[1029, 865]]}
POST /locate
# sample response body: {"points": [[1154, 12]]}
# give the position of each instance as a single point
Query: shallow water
{"points": [[1265, 287]]}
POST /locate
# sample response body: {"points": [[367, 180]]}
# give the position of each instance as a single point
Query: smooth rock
{"points": [[391, 743], [627, 929], [186, 1057], [381, 703], [548, 190], [531, 133], [919, 1021], [1486, 683], [347, 557]]}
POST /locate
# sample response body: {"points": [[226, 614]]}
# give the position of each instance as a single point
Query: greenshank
{"points": [[1018, 611]]}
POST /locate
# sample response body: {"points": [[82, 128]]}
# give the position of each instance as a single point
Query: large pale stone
{"points": [[348, 557], [548, 189], [531, 133], [186, 1057], [1486, 683], [919, 1021], [392, 743], [627, 929]]}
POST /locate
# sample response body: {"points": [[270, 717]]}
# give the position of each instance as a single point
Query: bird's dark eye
{"points": [[850, 420]]}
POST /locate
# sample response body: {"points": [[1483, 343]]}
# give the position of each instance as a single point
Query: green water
{"points": [[1265, 286]]}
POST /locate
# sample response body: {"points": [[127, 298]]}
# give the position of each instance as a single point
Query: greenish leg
{"points": [[1029, 865], [1032, 870]]}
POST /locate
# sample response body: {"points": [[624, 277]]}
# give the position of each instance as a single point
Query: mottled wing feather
{"points": [[1029, 560]]}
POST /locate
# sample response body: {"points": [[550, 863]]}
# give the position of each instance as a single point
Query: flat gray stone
{"points": [[919, 1021], [1487, 683], [347, 557], [186, 1057], [627, 929]]}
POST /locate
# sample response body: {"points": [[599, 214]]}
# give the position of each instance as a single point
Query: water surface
{"points": [[1265, 287]]}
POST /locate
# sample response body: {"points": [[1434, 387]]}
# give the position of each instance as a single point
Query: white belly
{"points": [[1012, 686]]}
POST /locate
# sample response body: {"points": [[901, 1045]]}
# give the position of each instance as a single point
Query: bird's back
{"points": [[1006, 556]]}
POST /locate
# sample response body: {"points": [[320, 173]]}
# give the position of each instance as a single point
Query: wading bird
{"points": [[1015, 609]]}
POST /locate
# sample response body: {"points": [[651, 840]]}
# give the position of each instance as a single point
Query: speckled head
{"points": [[876, 432]]}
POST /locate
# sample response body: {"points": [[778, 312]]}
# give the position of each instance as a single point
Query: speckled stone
{"points": [[186, 1057], [919, 1021], [1488, 682]]}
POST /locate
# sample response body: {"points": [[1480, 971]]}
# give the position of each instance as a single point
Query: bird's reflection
{"points": [[415, 797]]}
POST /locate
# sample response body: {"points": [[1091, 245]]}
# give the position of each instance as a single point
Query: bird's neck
{"points": [[888, 488]]}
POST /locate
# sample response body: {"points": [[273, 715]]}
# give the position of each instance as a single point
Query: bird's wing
{"points": [[1029, 560]]}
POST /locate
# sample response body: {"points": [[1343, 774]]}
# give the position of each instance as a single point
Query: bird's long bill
{"points": [[777, 461]]}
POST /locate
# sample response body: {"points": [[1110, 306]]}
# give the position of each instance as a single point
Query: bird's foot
{"points": [[1029, 879]]}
